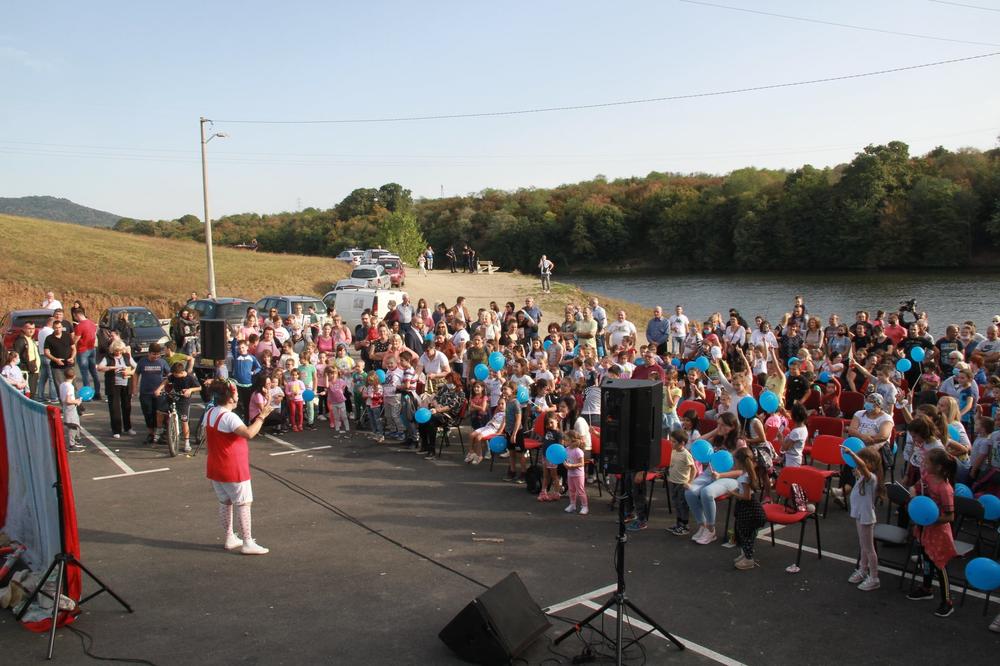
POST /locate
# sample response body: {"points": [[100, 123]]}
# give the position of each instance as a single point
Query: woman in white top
{"points": [[873, 427], [118, 368], [734, 337], [764, 336]]}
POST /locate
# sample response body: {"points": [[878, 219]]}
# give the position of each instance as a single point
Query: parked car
{"points": [[349, 255], [393, 265], [14, 320], [371, 256], [350, 303], [366, 276], [233, 310], [147, 327], [285, 305]]}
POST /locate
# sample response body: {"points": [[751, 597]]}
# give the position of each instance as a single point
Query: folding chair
{"points": [[893, 535], [812, 483], [698, 407], [826, 451], [967, 510], [444, 430], [851, 402]]}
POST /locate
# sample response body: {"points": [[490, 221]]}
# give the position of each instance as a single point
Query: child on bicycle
{"points": [[179, 387]]}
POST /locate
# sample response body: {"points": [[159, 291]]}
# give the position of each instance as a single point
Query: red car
{"points": [[13, 321], [393, 265]]}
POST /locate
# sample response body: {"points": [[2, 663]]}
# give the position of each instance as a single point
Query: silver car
{"points": [[366, 276]]}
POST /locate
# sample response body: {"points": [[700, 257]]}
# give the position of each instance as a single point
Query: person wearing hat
{"points": [[873, 426]]}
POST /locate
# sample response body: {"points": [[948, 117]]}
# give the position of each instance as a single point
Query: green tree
{"points": [[400, 233]]}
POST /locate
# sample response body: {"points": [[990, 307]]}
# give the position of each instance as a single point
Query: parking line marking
{"points": [[118, 476], [282, 442], [315, 448], [122, 465], [694, 647], [563, 605]]}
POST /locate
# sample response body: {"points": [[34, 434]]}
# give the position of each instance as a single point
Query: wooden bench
{"points": [[486, 267]]}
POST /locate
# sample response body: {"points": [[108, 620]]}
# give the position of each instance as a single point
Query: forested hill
{"points": [[60, 210], [884, 209]]}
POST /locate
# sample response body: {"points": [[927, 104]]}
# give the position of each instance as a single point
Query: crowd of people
{"points": [[521, 381]]}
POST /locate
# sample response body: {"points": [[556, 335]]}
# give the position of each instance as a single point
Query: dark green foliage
{"points": [[883, 209], [60, 210]]}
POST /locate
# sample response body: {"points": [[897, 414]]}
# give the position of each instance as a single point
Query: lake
{"points": [[947, 296]]}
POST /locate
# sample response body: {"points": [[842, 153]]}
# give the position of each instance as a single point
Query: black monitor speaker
{"points": [[497, 626], [213, 339], [631, 424]]}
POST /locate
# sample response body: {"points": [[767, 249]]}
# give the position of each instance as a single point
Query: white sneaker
{"points": [[131, 432], [476, 459], [856, 577], [116, 436], [570, 509], [233, 542], [869, 584], [584, 511], [469, 456], [250, 547], [322, 417], [187, 447], [505, 454], [697, 535], [708, 537]]}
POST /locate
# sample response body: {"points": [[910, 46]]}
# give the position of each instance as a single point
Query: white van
{"points": [[350, 303]]}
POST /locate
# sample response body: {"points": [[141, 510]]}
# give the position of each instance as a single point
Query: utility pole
{"points": [[204, 192]]}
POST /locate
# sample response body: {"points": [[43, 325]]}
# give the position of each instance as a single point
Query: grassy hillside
{"points": [[60, 210], [103, 267]]}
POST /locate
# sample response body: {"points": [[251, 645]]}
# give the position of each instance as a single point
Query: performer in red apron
{"points": [[229, 464]]}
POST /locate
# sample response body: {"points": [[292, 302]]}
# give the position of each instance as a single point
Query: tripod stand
{"points": [[618, 601]]}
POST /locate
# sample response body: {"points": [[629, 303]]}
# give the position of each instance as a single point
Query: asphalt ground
{"points": [[331, 591]]}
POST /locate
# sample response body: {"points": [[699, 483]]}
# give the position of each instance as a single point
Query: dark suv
{"points": [[147, 327], [233, 310]]}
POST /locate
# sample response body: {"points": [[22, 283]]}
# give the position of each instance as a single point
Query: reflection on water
{"points": [[946, 296]]}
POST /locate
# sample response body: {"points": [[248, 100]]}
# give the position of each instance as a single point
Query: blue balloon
{"points": [[422, 415], [991, 506], [497, 361], [556, 454], [380, 373], [854, 444], [702, 363], [676, 362], [523, 395], [689, 366], [923, 510], [824, 377], [546, 345], [639, 361], [917, 354], [481, 372], [962, 490], [983, 574], [722, 461], [769, 402], [903, 365], [955, 432], [747, 407], [701, 451], [308, 395], [87, 393], [498, 444], [428, 336]]}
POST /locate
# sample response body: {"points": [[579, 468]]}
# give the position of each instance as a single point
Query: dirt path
{"points": [[479, 289]]}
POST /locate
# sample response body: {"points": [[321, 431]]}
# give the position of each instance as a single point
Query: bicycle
{"points": [[173, 423]]}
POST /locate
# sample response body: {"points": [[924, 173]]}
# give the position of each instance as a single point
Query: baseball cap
{"points": [[875, 399]]}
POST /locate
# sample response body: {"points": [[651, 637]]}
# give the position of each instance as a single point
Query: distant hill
{"points": [[60, 210]]}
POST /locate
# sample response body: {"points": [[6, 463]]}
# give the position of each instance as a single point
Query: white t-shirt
{"points": [[793, 456], [459, 338], [766, 340], [868, 425], [546, 375], [591, 400], [228, 422], [70, 414], [619, 329], [54, 304], [678, 325], [433, 366]]}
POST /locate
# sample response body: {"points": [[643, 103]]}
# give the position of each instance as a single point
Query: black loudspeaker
{"points": [[213, 339], [631, 424], [497, 626]]}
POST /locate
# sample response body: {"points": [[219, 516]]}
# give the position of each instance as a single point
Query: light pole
{"points": [[204, 191]]}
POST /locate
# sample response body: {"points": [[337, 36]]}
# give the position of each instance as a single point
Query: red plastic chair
{"points": [[595, 455], [706, 425], [851, 402], [698, 408], [826, 451], [812, 482], [532, 444], [662, 471], [826, 425], [710, 396], [811, 400]]}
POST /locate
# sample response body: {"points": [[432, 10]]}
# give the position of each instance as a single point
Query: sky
{"points": [[102, 100]]}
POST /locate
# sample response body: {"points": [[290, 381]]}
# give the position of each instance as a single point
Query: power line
{"points": [[600, 105], [835, 24], [962, 4]]}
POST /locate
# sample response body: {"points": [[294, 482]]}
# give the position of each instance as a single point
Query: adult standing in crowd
{"points": [[60, 351], [658, 331], [85, 337], [600, 314], [429, 257], [45, 378], [618, 330], [452, 259], [124, 328], [50, 302], [534, 314], [545, 267], [151, 371], [118, 368], [30, 359], [678, 330], [405, 313]]}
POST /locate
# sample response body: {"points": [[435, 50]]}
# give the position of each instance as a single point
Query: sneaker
{"points": [[116, 436], [505, 454], [584, 511], [730, 543], [322, 417], [700, 532], [945, 609], [131, 432], [745, 564], [187, 446], [76, 448], [476, 459], [920, 594], [708, 537], [570, 509], [468, 457], [543, 496], [509, 478], [636, 525], [519, 480], [430, 457], [679, 530], [739, 558], [233, 542], [856, 577], [251, 547], [869, 584], [995, 625]]}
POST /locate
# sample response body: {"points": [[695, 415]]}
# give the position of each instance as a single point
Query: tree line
{"points": [[884, 209]]}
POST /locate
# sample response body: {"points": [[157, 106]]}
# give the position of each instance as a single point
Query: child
{"points": [[984, 475], [867, 486], [407, 391], [355, 402], [321, 384], [336, 397], [512, 431], [749, 513], [682, 473], [12, 372], [71, 418], [575, 472], [795, 441], [184, 385], [294, 387], [307, 373], [422, 264], [936, 541], [689, 424], [494, 389], [830, 402], [485, 431], [373, 396], [390, 398], [671, 397], [550, 474], [479, 406]]}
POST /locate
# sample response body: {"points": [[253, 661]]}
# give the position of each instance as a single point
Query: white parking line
{"points": [[127, 471], [563, 605], [314, 448], [694, 647]]}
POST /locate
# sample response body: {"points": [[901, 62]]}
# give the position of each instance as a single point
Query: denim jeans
{"points": [[375, 415], [45, 379], [702, 493], [677, 344], [87, 362]]}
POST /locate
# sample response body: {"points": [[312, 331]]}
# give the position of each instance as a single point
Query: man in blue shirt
{"points": [[534, 313], [150, 371], [245, 368], [658, 331]]}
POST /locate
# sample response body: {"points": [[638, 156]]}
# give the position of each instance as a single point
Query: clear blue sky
{"points": [[101, 100]]}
